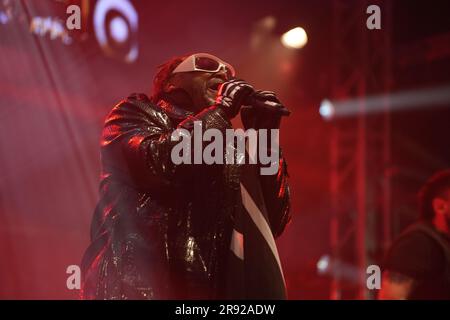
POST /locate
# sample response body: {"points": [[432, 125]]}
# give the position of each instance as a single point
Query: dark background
{"points": [[54, 97]]}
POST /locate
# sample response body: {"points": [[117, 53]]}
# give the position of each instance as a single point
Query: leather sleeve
{"points": [[211, 117], [136, 142], [276, 193]]}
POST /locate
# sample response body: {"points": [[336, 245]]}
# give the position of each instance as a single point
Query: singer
{"points": [[163, 230]]}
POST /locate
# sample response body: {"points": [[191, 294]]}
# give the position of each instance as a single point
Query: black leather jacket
{"points": [[161, 231]]}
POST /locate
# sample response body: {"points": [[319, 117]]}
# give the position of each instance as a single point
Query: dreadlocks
{"points": [[162, 76]]}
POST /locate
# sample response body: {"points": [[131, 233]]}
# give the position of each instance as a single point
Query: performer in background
{"points": [[418, 264], [166, 231]]}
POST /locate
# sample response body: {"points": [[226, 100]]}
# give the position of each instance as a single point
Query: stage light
{"points": [[4, 19], [396, 101], [295, 38], [123, 28], [119, 29], [323, 264], [326, 109]]}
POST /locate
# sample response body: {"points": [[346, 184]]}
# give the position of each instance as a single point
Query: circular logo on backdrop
{"points": [[116, 28]]}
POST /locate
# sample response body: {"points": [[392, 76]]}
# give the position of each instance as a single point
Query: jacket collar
{"points": [[174, 111]]}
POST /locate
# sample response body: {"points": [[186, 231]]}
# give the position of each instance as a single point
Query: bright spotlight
{"points": [[395, 101], [119, 29], [326, 109], [295, 38], [323, 264]]}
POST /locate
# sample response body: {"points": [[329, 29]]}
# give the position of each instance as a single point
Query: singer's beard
{"points": [[210, 89], [200, 87]]}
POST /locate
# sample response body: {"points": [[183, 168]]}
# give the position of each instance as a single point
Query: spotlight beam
{"points": [[406, 100]]}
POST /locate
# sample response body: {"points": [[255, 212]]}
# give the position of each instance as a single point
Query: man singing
{"points": [[186, 231]]}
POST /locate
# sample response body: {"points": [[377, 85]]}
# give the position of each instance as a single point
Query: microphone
{"points": [[252, 102]]}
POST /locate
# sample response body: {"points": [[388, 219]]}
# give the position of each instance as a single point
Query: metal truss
{"points": [[360, 145]]}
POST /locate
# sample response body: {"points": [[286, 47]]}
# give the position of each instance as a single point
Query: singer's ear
{"points": [[168, 87], [171, 83]]}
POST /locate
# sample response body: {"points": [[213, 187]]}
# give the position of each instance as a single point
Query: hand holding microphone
{"points": [[267, 101], [236, 93], [231, 96], [263, 110]]}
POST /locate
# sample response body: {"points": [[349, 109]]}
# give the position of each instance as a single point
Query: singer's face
{"points": [[200, 86]]}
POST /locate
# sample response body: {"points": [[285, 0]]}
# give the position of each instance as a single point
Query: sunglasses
{"points": [[206, 63]]}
